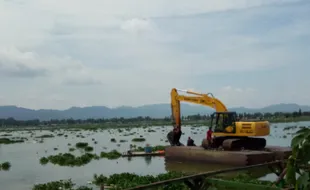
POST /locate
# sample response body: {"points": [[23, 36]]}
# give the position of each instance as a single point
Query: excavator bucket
{"points": [[172, 139]]}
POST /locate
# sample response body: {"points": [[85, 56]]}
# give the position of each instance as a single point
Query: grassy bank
{"points": [[130, 180]]}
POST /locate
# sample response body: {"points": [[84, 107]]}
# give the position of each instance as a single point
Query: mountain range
{"points": [[154, 110]]}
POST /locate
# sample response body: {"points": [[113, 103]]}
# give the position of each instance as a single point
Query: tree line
{"points": [[198, 117]]}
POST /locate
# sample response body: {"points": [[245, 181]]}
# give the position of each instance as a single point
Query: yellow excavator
{"points": [[228, 132]]}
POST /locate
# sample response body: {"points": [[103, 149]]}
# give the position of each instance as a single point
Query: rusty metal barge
{"points": [[233, 158]]}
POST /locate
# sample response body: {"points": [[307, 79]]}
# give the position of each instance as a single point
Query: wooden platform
{"points": [[135, 154], [233, 158]]}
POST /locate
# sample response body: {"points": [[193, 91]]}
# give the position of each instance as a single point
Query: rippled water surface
{"points": [[26, 169]]}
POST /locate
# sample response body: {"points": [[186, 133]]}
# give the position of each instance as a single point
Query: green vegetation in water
{"points": [[9, 141], [43, 160], [138, 139], [45, 136], [114, 154], [81, 145], [61, 184], [130, 180], [116, 182], [5, 166], [6, 135], [88, 148], [68, 159], [85, 146]]}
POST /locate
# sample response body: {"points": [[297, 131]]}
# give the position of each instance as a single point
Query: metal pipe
{"points": [[195, 93]]}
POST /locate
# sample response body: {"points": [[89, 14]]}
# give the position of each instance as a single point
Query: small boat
{"points": [[134, 154]]}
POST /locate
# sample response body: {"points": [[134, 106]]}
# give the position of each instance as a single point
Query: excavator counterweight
{"points": [[228, 131]]}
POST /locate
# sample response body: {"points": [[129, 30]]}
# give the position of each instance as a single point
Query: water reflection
{"points": [[190, 167], [148, 160]]}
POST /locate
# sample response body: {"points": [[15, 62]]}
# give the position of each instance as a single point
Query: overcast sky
{"points": [[63, 53]]}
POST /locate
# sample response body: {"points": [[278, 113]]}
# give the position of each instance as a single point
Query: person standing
{"points": [[209, 136]]}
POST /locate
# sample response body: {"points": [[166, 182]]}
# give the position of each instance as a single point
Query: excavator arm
{"points": [[197, 98]]}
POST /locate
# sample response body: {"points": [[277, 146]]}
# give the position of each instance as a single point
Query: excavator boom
{"points": [[202, 99]]}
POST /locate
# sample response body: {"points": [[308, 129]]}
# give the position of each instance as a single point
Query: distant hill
{"points": [[155, 111]]}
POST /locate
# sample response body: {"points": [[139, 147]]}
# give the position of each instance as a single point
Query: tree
{"points": [[298, 161], [143, 120]]}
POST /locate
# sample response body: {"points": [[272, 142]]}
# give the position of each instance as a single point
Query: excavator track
{"points": [[246, 143]]}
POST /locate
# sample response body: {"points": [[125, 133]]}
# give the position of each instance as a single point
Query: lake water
{"points": [[26, 169]]}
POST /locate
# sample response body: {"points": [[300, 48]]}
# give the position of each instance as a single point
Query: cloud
{"points": [[236, 96], [81, 81], [136, 25], [133, 53], [15, 63]]}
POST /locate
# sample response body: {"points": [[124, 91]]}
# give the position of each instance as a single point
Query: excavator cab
{"points": [[223, 122]]}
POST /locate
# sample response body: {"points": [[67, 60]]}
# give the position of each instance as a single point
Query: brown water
{"points": [[27, 171]]}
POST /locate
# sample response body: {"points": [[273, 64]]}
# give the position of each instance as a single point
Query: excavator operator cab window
{"points": [[221, 120], [216, 123]]}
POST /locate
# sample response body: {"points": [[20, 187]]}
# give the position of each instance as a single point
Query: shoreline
{"points": [[116, 125]]}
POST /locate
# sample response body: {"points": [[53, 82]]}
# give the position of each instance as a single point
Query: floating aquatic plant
{"points": [[43, 160], [138, 139], [81, 144], [114, 154], [9, 141], [68, 159], [5, 166], [88, 148]]}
